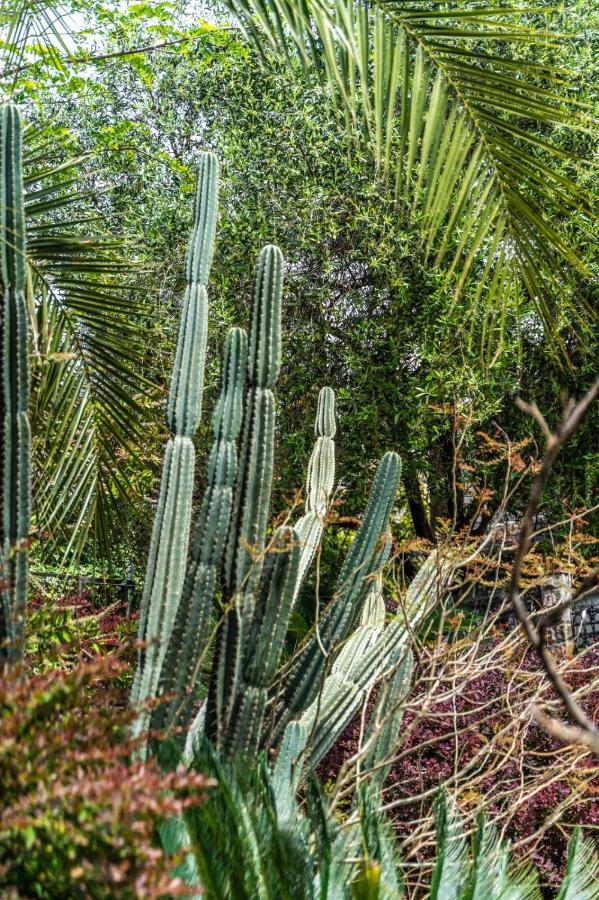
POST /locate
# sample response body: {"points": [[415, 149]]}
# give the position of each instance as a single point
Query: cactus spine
{"points": [[15, 438], [168, 546]]}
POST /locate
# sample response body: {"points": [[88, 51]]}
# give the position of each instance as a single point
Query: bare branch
{"points": [[571, 419]]}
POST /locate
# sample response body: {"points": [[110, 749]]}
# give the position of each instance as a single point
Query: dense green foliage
{"points": [[403, 356], [423, 168]]}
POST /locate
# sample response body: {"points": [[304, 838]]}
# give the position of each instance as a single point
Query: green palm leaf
{"points": [[31, 27], [88, 357], [581, 878], [457, 120]]}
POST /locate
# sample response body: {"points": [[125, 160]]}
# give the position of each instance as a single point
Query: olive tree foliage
{"points": [[411, 347]]}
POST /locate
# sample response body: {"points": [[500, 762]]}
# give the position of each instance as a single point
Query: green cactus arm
{"points": [[252, 495], [170, 536], [361, 560], [343, 691], [372, 653], [191, 634], [288, 768], [319, 483], [166, 567], [264, 645], [384, 723], [187, 382], [246, 538], [300, 680], [265, 336], [15, 436]]}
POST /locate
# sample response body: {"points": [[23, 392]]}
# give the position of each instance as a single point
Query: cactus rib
{"points": [[15, 437]]}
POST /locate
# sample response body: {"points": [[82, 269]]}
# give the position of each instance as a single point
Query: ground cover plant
{"points": [[311, 708]]}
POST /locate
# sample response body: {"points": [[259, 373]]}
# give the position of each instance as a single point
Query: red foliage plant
{"points": [[78, 815], [473, 729]]}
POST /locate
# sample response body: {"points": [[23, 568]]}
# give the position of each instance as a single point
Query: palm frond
{"points": [[31, 28], [581, 878], [88, 358], [457, 120], [451, 866], [493, 875]]}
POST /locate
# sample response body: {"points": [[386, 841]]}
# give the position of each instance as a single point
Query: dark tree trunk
{"points": [[418, 511]]}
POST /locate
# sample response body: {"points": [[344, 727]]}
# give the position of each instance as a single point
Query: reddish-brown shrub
{"points": [[78, 817]]}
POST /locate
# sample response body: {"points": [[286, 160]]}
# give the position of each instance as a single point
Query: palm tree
{"points": [[87, 351], [455, 103]]}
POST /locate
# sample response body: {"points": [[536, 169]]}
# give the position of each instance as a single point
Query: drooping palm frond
{"points": [[87, 360], [31, 28], [456, 113]]}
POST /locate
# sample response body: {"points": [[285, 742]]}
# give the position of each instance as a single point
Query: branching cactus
{"points": [[168, 547], [15, 439], [300, 681], [228, 607]]}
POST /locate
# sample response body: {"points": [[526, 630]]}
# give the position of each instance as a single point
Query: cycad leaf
{"points": [[451, 866], [492, 875], [581, 878]]}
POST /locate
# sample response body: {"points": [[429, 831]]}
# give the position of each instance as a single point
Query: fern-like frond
{"points": [[456, 112], [581, 878], [88, 359]]}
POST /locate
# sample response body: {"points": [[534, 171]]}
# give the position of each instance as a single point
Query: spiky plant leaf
{"points": [[455, 111], [451, 866], [87, 359], [581, 878], [493, 873]]}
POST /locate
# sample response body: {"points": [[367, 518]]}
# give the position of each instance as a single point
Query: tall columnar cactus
{"points": [[246, 540], [15, 438], [191, 635], [237, 585], [319, 483], [168, 547]]}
